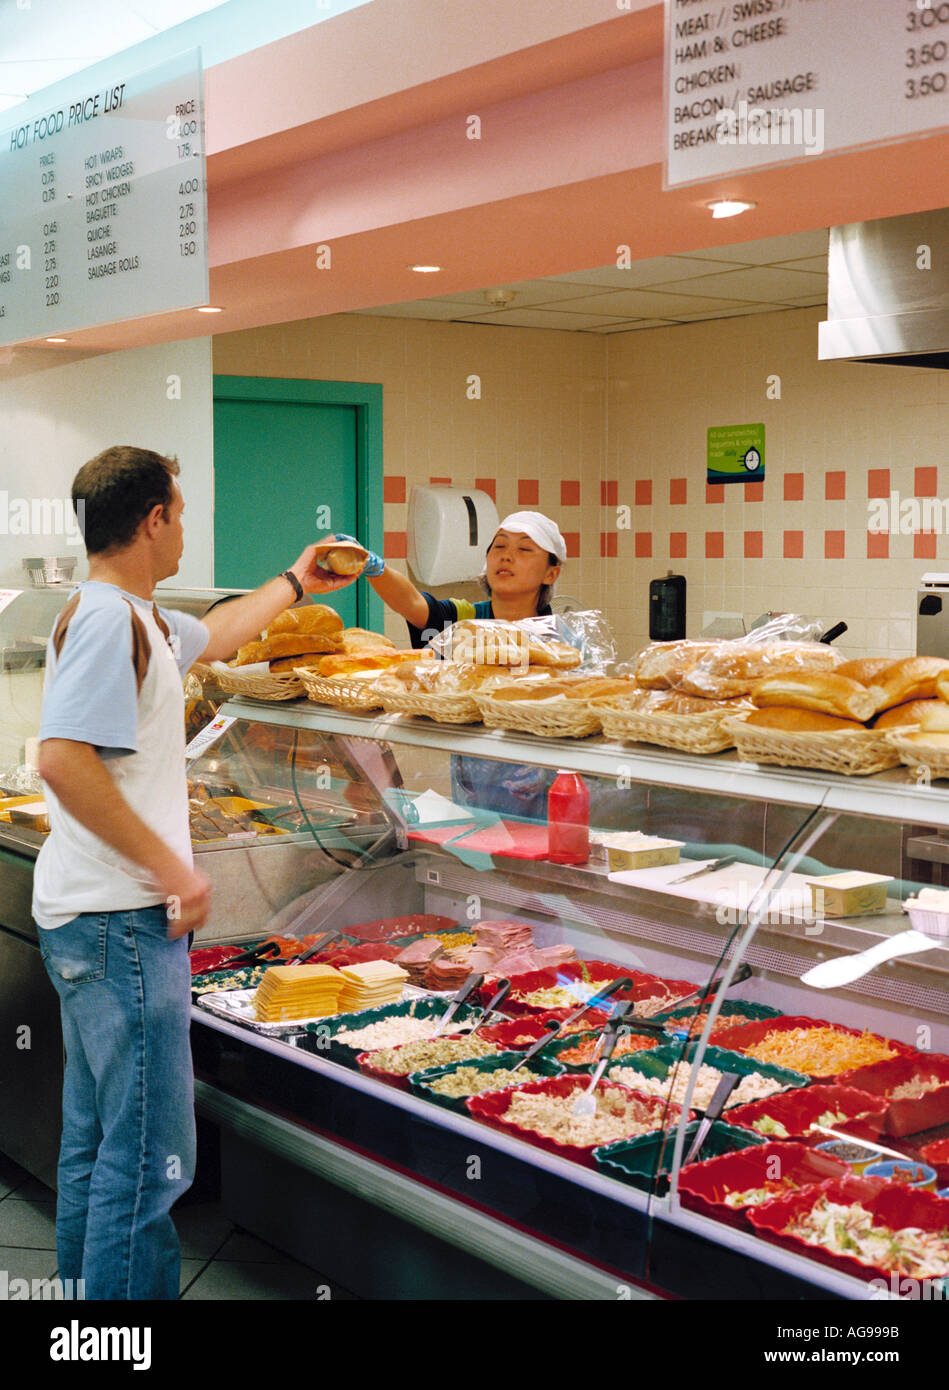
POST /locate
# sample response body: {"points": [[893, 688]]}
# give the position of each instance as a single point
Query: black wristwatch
{"points": [[297, 586]]}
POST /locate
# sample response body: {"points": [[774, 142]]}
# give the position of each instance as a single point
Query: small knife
{"points": [[320, 945], [712, 868], [471, 984]]}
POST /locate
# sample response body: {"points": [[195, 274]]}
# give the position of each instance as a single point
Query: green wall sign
{"points": [[735, 453]]}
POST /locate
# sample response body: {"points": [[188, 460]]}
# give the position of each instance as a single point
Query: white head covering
{"points": [[540, 528]]}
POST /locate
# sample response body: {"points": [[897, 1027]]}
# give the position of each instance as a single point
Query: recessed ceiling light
{"points": [[210, 309], [729, 207], [57, 340], [425, 269]]}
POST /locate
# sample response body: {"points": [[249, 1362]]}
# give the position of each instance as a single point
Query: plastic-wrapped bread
{"points": [[489, 642], [732, 668], [662, 666]]}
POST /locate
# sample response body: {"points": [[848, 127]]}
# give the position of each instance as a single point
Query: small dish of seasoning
{"points": [[858, 1156]]}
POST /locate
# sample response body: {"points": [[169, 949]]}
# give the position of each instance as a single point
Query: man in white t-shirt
{"points": [[115, 887]]}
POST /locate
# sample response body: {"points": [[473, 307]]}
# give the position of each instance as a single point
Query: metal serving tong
{"points": [[743, 972], [320, 944], [469, 986], [591, 1003], [716, 1105], [490, 1008], [254, 956]]}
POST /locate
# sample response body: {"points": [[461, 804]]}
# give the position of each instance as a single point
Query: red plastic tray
{"points": [[384, 928], [599, 972], [911, 1115], [703, 1187], [534, 1026], [740, 1039], [491, 1108], [798, 1109], [936, 1155], [891, 1204]]}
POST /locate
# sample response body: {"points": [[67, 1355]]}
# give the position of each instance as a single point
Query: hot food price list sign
{"points": [[102, 202], [754, 83]]}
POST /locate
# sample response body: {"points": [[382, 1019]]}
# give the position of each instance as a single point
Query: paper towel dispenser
{"points": [[450, 529]]}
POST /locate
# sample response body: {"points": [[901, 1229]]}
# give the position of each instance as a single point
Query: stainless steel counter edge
{"points": [[893, 795], [661, 1208]]}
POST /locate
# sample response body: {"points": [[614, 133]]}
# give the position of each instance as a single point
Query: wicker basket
{"points": [[259, 685], [557, 719], [341, 694], [690, 733], [926, 761], [854, 752], [457, 707]]}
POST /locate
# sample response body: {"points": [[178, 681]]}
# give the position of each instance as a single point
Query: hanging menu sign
{"points": [[102, 202], [754, 83]]}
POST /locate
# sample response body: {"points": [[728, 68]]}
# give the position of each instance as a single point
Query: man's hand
{"points": [[188, 899], [316, 580]]}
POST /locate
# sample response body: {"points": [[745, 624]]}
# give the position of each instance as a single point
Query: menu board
{"points": [[754, 83], [103, 213]]}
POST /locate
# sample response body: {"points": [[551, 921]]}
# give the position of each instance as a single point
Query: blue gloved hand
{"points": [[374, 566]]}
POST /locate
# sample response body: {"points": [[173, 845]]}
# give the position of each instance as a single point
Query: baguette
{"points": [[284, 644], [865, 671], [380, 660], [823, 691], [914, 712], [312, 617], [912, 679], [798, 721]]}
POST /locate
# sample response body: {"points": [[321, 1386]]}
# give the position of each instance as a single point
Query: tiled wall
{"points": [[607, 434]]}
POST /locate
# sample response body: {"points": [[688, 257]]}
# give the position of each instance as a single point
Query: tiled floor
{"points": [[218, 1260]]}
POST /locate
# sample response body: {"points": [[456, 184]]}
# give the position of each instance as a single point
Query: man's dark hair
{"points": [[117, 490]]}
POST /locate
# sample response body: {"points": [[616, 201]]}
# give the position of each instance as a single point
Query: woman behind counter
{"points": [[521, 568]]}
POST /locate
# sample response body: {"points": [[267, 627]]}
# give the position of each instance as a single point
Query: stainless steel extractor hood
{"points": [[888, 291]]}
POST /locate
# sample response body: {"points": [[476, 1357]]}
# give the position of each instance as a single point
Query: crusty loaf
{"points": [[662, 665], [312, 617], [378, 660], [866, 670], [354, 640], [913, 712], [284, 644], [798, 721], [733, 667], [488, 642], [912, 679], [817, 690]]}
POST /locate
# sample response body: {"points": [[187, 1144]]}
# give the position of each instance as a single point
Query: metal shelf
{"points": [[893, 795]]}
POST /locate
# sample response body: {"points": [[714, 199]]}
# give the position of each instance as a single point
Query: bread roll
{"points": [[284, 644], [312, 617], [798, 721], [290, 663], [914, 712], [942, 686], [661, 666], [439, 677], [824, 691], [927, 738], [865, 671], [912, 679], [380, 660], [488, 642], [733, 667], [674, 702], [354, 640], [343, 559]]}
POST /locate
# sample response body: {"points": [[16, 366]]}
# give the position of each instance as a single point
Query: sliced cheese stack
{"points": [[298, 991], [371, 984]]}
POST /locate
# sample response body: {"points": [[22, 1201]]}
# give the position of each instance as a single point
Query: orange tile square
{"points": [[794, 545], [678, 491], [609, 492], [926, 482], [878, 545], [572, 542], [924, 545], [488, 485], [835, 486], [608, 544], [678, 545], [754, 545], [714, 545], [754, 492], [878, 482], [570, 494], [794, 487], [715, 492], [528, 492], [440, 482], [643, 545], [394, 545], [835, 545], [643, 492], [393, 488]]}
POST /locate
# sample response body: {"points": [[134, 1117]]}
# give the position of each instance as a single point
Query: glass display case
{"points": [[490, 1192]]}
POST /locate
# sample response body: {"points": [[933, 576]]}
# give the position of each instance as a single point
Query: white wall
{"points": [[54, 418]]}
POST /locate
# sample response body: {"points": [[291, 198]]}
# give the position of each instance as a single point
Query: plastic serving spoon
{"points": [[585, 1104], [832, 973], [716, 1105]]}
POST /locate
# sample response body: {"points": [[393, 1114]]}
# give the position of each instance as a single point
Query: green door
{"points": [[286, 471]]}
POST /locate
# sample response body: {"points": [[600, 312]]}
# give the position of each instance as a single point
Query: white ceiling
{"points": [[43, 41], [754, 277]]}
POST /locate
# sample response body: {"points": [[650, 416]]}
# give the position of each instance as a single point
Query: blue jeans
{"points": [[128, 1147]]}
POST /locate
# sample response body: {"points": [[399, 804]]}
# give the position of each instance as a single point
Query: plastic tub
{"points": [[637, 1161]]}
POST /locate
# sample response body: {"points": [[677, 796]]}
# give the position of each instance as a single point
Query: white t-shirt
{"points": [[98, 690]]}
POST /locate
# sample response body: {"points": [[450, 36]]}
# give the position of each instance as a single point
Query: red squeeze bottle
{"points": [[568, 820]]}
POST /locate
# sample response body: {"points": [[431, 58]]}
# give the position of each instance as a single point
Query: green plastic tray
{"points": [[658, 1062], [636, 1161], [320, 1037], [730, 1014], [420, 1081], [558, 1045]]}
